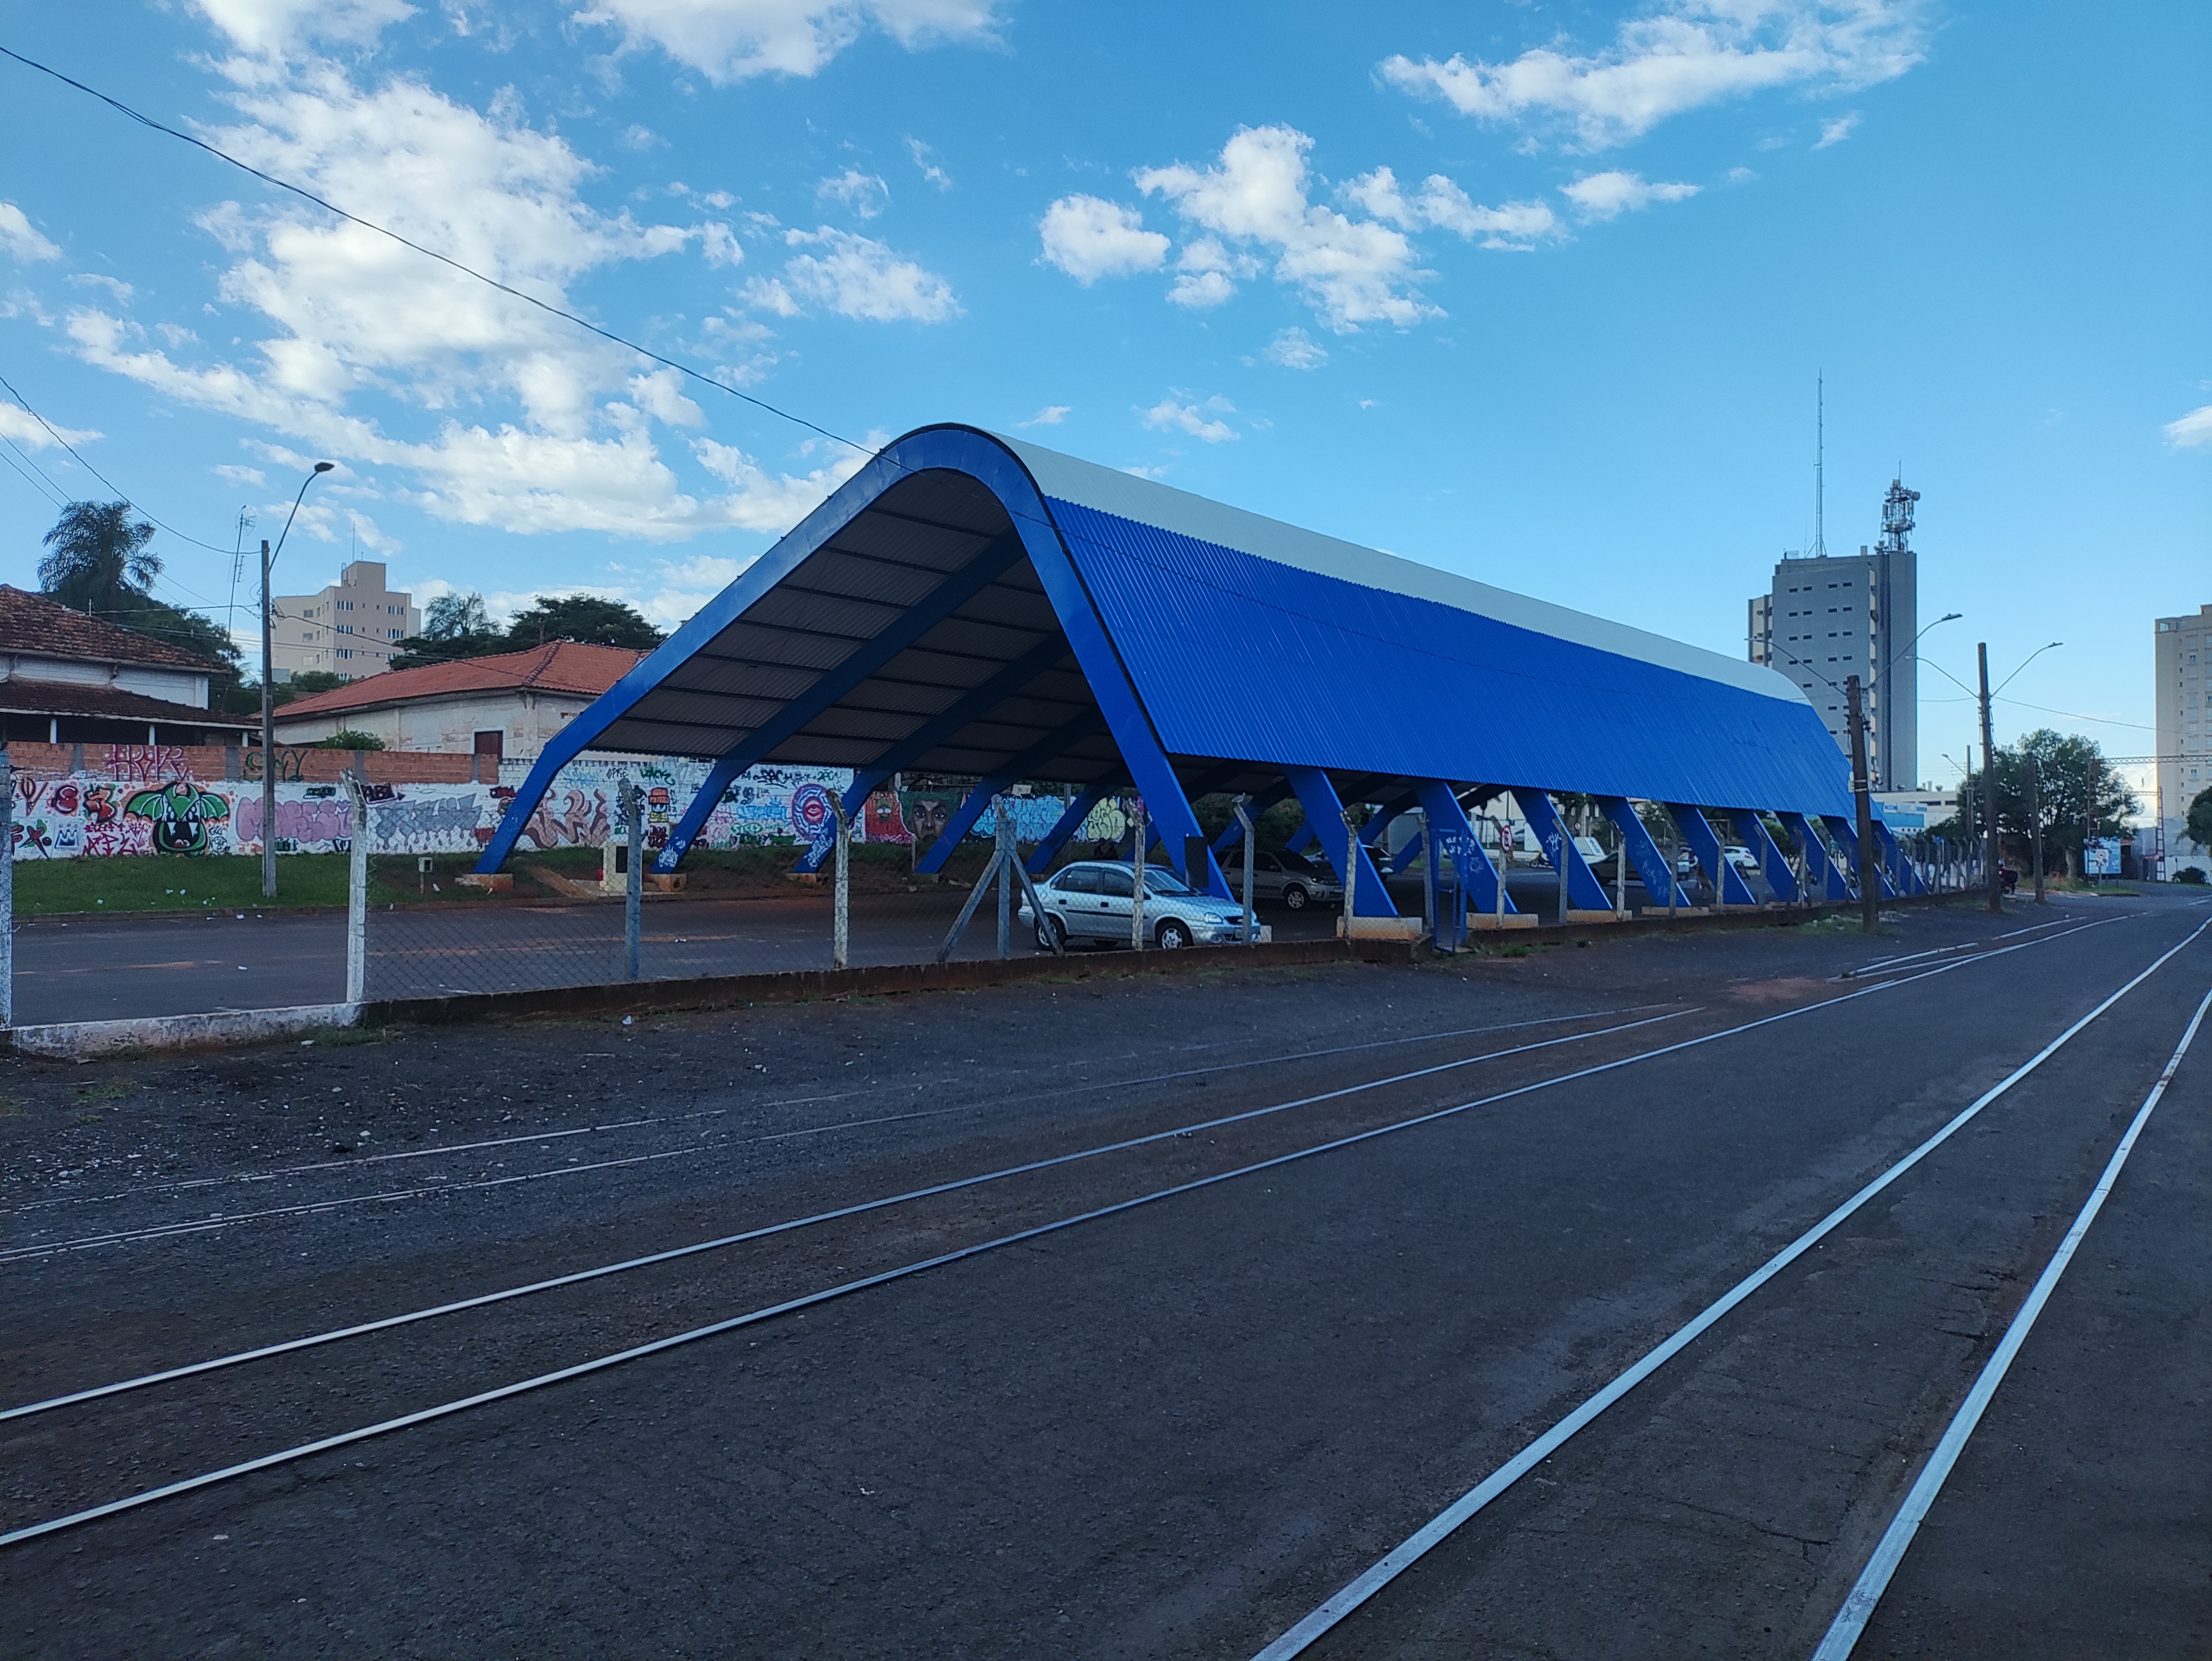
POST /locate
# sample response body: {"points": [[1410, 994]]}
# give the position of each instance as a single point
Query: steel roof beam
{"points": [[1317, 795], [1447, 816], [1643, 853], [1584, 891], [972, 805], [1729, 886]]}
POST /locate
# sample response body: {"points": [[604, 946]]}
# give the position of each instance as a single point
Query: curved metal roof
{"points": [[971, 604]]}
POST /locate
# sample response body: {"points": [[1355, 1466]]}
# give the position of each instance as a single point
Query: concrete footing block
{"points": [[73, 1040]]}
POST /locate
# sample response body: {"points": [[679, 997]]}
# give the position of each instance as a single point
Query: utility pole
{"points": [[268, 695], [2089, 814], [1863, 806], [1994, 856], [2035, 818]]}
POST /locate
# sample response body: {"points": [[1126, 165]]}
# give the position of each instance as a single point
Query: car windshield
{"points": [[1297, 862], [1158, 880]]}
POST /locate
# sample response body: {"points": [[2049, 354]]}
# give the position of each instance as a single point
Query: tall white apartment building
{"points": [[349, 629], [2182, 651]]}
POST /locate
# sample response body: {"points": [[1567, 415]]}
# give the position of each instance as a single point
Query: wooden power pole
{"points": [[1863, 805]]}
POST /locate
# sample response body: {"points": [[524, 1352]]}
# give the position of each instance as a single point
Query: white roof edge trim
{"points": [[1149, 503]]}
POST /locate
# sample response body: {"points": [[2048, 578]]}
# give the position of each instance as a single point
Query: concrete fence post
{"points": [[1428, 873], [1137, 882], [633, 812], [1350, 871], [1244, 818], [1003, 828], [1504, 864], [840, 898], [7, 891], [356, 892]]}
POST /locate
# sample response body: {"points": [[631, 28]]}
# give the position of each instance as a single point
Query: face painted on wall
{"points": [[179, 812]]}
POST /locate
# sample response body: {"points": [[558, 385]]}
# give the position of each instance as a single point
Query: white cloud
{"points": [[1191, 419], [24, 427], [2193, 431], [923, 159], [1051, 416], [1691, 53], [231, 473], [352, 314], [729, 41], [1608, 195], [1443, 204], [1204, 271], [1293, 349], [1088, 238], [863, 195], [1351, 271], [720, 244], [775, 503], [21, 237], [1835, 131], [858, 276], [266, 28]]}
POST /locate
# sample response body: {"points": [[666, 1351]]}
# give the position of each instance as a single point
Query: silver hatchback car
{"points": [[1091, 900]]}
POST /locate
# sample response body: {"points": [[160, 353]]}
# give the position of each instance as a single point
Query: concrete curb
{"points": [[81, 1040]]}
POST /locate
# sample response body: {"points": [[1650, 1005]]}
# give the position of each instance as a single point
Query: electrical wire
{"points": [[95, 471], [305, 195]]}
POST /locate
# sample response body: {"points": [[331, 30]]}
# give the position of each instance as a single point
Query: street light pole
{"points": [[268, 697]]}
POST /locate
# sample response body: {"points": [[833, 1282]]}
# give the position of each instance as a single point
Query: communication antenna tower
{"points": [[1820, 548], [1896, 515]]}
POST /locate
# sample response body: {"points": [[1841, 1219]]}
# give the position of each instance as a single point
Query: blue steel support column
{"points": [[1705, 844], [1376, 831], [1902, 876], [1847, 837], [1659, 883], [1584, 891], [1820, 868], [1077, 810], [864, 660], [1752, 829], [946, 724], [1446, 814], [1260, 802], [1323, 808], [972, 805]]}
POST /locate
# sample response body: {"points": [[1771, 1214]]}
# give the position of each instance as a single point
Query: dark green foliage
{"points": [[457, 626], [101, 562], [305, 684], [347, 738], [2063, 766], [2200, 818]]}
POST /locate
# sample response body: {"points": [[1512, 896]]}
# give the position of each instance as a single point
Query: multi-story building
{"points": [[349, 629], [2182, 652], [1829, 617]]}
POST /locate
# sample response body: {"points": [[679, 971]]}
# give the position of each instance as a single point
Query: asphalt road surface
{"points": [[111, 969], [1089, 1320]]}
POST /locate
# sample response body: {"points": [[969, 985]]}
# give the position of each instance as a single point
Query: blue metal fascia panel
{"points": [[1491, 700]]}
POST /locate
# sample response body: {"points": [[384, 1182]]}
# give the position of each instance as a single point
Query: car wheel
{"points": [[1051, 933], [1173, 934], [1294, 897]]}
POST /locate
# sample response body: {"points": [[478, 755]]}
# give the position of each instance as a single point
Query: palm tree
{"points": [[100, 562]]}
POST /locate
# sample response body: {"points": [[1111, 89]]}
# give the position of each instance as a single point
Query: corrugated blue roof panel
{"points": [[1241, 657]]}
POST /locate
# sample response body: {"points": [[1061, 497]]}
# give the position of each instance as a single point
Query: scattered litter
{"points": [[627, 1019]]}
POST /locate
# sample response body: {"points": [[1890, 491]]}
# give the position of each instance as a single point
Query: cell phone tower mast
{"points": [[1820, 548]]}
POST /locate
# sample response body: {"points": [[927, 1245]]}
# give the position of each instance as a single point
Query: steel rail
{"points": [[1440, 1527], [1843, 1632], [789, 1225], [504, 1392], [354, 1164]]}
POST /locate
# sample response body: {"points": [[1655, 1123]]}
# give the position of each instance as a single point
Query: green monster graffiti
{"points": [[180, 811]]}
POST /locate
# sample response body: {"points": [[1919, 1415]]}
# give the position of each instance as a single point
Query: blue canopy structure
{"points": [[972, 605]]}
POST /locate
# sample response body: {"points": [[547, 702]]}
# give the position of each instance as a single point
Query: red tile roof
{"points": [[21, 696], [560, 666], [36, 627]]}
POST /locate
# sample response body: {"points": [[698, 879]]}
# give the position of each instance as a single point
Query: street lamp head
{"points": [[325, 466], [1950, 616]]}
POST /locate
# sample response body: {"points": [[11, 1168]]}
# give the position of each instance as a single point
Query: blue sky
{"points": [[1534, 292]]}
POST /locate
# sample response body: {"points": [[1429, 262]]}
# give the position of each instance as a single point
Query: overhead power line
{"points": [[306, 195]]}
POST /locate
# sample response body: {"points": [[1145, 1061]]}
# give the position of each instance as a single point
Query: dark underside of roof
{"points": [[20, 695], [924, 541]]}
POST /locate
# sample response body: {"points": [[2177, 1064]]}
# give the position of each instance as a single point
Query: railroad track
{"points": [[1125, 1177]]}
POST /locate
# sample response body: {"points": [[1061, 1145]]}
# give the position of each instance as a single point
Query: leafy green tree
{"points": [[304, 683], [346, 738], [583, 618], [2062, 768], [101, 562], [2200, 818], [455, 616]]}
